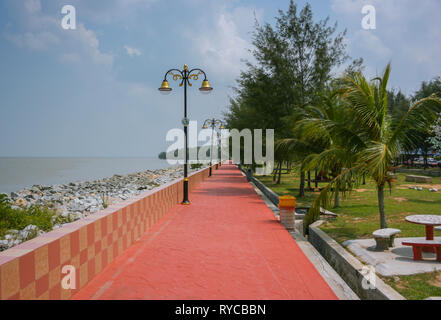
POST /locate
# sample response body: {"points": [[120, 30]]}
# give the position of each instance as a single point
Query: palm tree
{"points": [[318, 145], [329, 127], [377, 141], [296, 150]]}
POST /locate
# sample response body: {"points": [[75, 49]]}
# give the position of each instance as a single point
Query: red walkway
{"points": [[227, 245]]}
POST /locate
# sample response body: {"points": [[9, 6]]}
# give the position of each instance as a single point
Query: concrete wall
{"points": [[33, 270], [274, 197], [348, 267]]}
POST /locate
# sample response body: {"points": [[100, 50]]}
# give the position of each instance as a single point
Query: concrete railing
{"points": [[274, 197], [34, 269], [431, 173]]}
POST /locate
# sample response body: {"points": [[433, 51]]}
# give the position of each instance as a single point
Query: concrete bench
{"points": [[419, 245], [419, 179], [392, 175], [385, 238], [328, 213], [323, 211]]}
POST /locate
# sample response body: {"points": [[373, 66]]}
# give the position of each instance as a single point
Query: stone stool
{"points": [[385, 238]]}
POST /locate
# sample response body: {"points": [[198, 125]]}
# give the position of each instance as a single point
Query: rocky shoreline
{"points": [[75, 201]]}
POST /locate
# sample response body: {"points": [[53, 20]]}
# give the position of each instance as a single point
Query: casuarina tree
{"points": [[294, 59]]}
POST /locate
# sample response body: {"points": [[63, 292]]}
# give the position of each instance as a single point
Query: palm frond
{"points": [[377, 157], [343, 183], [415, 118], [333, 159]]}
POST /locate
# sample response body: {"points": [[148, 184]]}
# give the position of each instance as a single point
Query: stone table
{"points": [[430, 221]]}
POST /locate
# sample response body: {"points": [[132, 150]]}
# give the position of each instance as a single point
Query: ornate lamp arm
{"points": [[180, 75], [185, 76], [213, 123], [196, 76]]}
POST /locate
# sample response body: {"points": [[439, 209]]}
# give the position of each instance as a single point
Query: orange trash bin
{"points": [[287, 206]]}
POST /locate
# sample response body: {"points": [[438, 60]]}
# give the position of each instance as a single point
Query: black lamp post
{"points": [[185, 76], [219, 137], [213, 123]]}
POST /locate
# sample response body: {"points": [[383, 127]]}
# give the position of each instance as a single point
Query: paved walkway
{"points": [[226, 246]]}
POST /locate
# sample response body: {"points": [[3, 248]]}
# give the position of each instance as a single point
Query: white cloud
{"points": [[407, 34], [88, 44], [99, 95], [225, 46], [368, 41], [132, 51], [113, 10], [36, 41], [32, 6], [43, 32]]}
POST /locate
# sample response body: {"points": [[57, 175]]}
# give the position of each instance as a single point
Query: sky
{"points": [[92, 91]]}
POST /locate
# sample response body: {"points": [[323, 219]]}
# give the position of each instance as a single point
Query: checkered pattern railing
{"points": [[33, 270]]}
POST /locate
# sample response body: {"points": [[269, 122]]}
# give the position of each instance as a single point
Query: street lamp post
{"points": [[185, 76], [213, 123], [219, 138]]}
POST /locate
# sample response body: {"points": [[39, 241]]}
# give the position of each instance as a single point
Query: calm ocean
{"points": [[18, 173]]}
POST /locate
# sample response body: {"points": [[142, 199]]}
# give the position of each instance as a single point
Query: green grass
{"points": [[290, 186], [195, 166], [417, 287], [19, 219], [358, 217], [358, 213]]}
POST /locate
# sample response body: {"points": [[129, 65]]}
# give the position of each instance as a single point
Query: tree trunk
{"points": [[275, 172], [337, 198], [364, 179], [426, 164], [309, 181], [302, 185], [383, 222], [316, 179], [280, 173]]}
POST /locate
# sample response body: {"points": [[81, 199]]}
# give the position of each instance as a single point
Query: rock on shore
{"points": [[75, 201]]}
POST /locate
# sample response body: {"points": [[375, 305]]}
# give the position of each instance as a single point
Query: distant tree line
{"points": [[163, 155]]}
